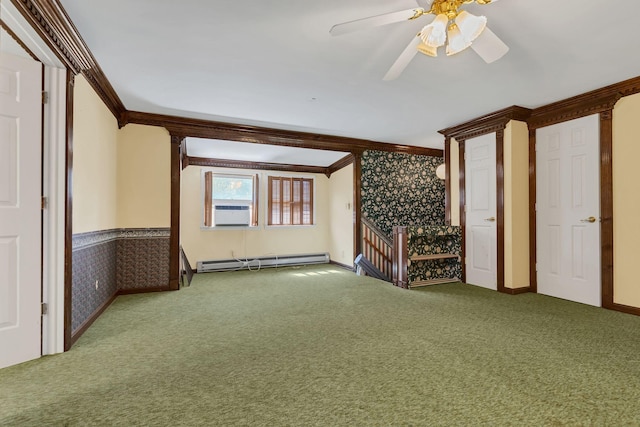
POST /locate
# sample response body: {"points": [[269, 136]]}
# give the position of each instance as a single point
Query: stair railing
{"points": [[377, 248]]}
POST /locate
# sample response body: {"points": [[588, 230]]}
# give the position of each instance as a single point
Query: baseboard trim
{"points": [[516, 291], [94, 316], [144, 290], [341, 265], [87, 323], [624, 308]]}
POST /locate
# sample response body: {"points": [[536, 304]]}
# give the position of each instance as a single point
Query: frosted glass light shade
{"points": [[470, 26], [457, 42], [435, 34], [427, 50]]}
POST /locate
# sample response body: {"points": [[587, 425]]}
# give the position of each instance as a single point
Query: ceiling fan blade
{"points": [[403, 60], [375, 21], [489, 46]]}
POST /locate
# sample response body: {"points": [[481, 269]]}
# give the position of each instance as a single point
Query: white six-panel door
{"points": [[481, 231], [20, 220], [568, 206]]}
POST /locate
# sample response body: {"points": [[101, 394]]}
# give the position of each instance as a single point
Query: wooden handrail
{"points": [[388, 240], [377, 248]]}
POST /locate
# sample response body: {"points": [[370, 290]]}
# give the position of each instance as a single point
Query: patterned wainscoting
{"points": [[94, 259], [143, 259], [401, 189], [121, 260]]}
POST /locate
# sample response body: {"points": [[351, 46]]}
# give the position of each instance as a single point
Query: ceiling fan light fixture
{"points": [[428, 50], [457, 42], [435, 34], [470, 26]]}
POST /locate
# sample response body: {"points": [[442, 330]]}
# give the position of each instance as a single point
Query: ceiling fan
{"points": [[452, 25]]}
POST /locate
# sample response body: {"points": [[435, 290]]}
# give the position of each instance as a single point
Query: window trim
{"points": [[207, 177]]}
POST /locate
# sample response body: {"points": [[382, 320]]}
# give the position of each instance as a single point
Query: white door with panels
{"points": [[20, 210], [567, 210], [481, 232]]}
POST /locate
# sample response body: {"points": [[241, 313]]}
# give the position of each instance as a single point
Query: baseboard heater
{"points": [[261, 262]]}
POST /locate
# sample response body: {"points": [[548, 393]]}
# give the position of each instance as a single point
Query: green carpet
{"points": [[321, 346]]}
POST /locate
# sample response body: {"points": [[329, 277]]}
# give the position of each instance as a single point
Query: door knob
{"points": [[591, 219], [492, 219]]}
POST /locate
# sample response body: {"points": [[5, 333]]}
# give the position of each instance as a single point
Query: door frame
{"points": [[492, 123], [54, 176], [563, 111]]}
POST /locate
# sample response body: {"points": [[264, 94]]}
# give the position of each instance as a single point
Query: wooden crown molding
{"points": [[52, 23], [597, 101], [241, 164], [345, 161], [489, 123], [260, 135]]}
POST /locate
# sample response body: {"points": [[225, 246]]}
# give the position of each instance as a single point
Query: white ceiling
{"points": [[275, 64]]}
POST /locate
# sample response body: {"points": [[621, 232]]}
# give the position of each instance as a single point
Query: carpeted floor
{"points": [[321, 346]]}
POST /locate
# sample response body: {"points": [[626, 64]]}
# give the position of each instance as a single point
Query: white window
{"points": [[230, 200]]}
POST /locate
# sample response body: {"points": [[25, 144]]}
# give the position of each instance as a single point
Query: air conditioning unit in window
{"points": [[231, 215]]}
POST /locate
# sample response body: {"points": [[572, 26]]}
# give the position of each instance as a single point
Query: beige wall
{"points": [[95, 135], [121, 177], [626, 200], [144, 177], [516, 205], [341, 215], [207, 244]]}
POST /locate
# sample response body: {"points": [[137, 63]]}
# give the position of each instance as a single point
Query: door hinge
{"points": [[536, 266], [43, 204], [45, 97], [45, 308]]}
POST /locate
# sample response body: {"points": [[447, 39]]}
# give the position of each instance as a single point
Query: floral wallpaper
{"points": [[401, 189], [434, 240]]}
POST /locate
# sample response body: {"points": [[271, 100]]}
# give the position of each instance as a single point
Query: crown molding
{"points": [[239, 164], [54, 26], [345, 161], [242, 164], [593, 102], [260, 135], [489, 123]]}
